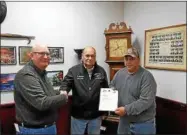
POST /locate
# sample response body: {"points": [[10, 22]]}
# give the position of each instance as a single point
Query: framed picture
{"points": [[165, 48], [56, 54], [55, 77], [8, 55], [7, 81], [24, 54]]}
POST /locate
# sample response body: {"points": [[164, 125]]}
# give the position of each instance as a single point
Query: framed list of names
{"points": [[165, 48]]}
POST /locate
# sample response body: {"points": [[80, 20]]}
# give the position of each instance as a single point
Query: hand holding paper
{"points": [[108, 99], [120, 111]]}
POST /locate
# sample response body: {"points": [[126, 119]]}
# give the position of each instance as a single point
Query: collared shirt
{"points": [[90, 71], [36, 101]]}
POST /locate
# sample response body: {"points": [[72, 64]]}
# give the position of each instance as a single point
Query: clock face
{"points": [[118, 47]]}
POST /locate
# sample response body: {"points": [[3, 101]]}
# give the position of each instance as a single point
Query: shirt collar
{"points": [[133, 72], [39, 71]]}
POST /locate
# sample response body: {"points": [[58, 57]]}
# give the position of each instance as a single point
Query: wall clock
{"points": [[118, 40], [117, 47]]}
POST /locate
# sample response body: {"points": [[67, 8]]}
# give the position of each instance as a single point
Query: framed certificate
{"points": [[108, 99]]}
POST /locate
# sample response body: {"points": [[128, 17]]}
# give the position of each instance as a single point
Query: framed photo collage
{"points": [[165, 48]]}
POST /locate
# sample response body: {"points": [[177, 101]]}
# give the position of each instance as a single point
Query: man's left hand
{"points": [[120, 111]]}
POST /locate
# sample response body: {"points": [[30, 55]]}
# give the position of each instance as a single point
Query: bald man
{"points": [[36, 101], [85, 80]]}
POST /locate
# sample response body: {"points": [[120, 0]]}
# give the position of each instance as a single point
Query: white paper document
{"points": [[16, 127], [108, 99]]}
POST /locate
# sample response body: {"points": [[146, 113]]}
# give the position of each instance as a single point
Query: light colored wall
{"points": [[67, 24], [148, 15]]}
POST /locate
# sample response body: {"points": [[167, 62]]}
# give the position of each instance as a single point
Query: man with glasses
{"points": [[36, 101], [85, 80], [136, 101]]}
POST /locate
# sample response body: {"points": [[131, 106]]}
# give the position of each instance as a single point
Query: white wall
{"points": [[148, 15], [67, 24]]}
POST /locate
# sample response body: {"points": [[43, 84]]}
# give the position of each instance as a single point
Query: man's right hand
{"points": [[64, 93]]}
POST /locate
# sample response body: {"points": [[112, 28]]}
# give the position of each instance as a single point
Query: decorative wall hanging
{"points": [[8, 55], [165, 48], [56, 54], [24, 54], [7, 81], [55, 78]]}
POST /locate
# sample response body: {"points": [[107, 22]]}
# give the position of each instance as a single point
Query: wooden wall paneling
{"points": [[171, 118], [7, 118]]}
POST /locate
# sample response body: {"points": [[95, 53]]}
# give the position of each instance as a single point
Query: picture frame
{"points": [[24, 54], [56, 55], [165, 48], [8, 55], [7, 81], [55, 78]]}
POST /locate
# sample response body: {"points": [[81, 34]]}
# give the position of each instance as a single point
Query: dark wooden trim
{"points": [[171, 116], [172, 104], [8, 105]]}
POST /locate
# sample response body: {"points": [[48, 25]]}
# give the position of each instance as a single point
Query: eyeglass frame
{"points": [[43, 53]]}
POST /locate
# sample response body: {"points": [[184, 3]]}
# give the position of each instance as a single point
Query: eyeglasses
{"points": [[43, 53]]}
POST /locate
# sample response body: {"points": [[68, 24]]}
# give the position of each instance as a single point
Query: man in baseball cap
{"points": [[136, 99], [132, 60]]}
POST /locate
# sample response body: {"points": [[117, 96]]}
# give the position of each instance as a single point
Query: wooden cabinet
{"points": [[118, 40]]}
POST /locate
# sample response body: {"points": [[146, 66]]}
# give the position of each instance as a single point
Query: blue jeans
{"points": [[147, 127], [78, 126], [51, 130]]}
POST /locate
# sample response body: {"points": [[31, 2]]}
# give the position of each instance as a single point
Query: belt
{"points": [[35, 126]]}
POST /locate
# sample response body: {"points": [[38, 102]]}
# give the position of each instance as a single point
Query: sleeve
{"points": [[31, 90], [147, 96], [67, 82]]}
